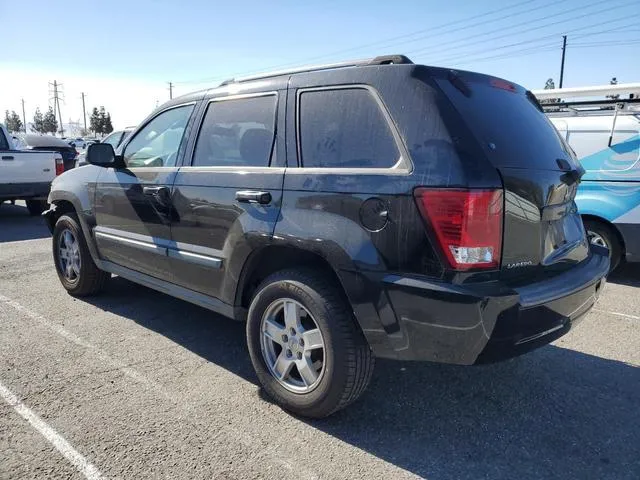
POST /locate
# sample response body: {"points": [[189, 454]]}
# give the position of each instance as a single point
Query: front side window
{"points": [[157, 144], [344, 128], [237, 132]]}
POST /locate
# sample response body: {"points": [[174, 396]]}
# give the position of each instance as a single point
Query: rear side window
{"points": [[509, 124], [237, 132], [344, 128]]}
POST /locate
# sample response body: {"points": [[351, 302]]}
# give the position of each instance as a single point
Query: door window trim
{"points": [[125, 143], [190, 167], [404, 165]]}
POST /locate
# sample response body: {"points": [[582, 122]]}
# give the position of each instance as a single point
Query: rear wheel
{"points": [[306, 348], [601, 234], [75, 267], [36, 207]]}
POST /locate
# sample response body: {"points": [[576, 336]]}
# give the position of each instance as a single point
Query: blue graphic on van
{"points": [[611, 185], [609, 163]]}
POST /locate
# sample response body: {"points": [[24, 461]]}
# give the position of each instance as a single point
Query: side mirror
{"points": [[102, 155]]}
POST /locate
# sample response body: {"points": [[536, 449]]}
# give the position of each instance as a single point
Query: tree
{"points": [[50, 124], [107, 127], [614, 81], [38, 121], [550, 85], [94, 121], [12, 121]]}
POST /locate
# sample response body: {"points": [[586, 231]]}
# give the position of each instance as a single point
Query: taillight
{"points": [[467, 224], [59, 166]]}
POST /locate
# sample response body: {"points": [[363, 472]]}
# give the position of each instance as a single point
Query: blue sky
{"points": [[123, 53]]}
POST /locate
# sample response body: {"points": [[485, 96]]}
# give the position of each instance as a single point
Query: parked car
{"points": [[78, 143], [26, 175], [52, 144], [605, 135], [346, 212], [115, 139]]}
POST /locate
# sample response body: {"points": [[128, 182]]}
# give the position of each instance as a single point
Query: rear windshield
{"points": [[512, 129]]}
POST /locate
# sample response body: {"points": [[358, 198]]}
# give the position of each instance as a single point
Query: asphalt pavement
{"points": [[136, 384]]}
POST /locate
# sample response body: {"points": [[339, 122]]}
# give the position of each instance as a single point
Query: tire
{"points": [[599, 233], [87, 279], [347, 362], [36, 207]]}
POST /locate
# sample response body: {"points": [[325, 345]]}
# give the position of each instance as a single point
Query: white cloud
{"points": [[129, 100]]}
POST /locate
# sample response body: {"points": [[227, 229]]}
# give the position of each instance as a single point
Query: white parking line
{"points": [[83, 465], [625, 315], [242, 437]]}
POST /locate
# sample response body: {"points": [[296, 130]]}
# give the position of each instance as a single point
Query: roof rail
{"points": [[381, 60]]}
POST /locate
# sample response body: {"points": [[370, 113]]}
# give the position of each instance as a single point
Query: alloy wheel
{"points": [[69, 255], [292, 346]]}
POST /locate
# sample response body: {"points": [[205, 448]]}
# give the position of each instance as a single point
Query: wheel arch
{"points": [[63, 203], [611, 226], [273, 258]]}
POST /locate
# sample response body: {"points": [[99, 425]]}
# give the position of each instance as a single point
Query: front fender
{"points": [[77, 188]]}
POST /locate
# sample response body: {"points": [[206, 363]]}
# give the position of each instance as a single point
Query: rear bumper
{"points": [[23, 191], [466, 324]]}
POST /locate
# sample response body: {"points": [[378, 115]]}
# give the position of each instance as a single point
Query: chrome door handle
{"points": [[252, 196]]}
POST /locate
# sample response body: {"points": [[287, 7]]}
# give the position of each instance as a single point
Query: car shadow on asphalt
{"points": [[16, 224], [626, 274], [554, 412]]}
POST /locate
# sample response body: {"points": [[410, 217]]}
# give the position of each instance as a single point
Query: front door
{"points": [[133, 205], [228, 198]]}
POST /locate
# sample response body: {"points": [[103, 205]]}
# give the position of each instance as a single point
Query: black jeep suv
{"points": [[345, 212]]}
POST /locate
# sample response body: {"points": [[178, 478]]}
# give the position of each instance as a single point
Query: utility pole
{"points": [[84, 114], [564, 49], [56, 104], [170, 90], [24, 117]]}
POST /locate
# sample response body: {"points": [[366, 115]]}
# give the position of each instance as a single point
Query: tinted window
{"points": [[345, 128], [4, 145], [113, 139], [237, 133], [500, 113], [157, 144]]}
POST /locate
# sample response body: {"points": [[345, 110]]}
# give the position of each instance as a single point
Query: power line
{"points": [[532, 29], [385, 43], [524, 42], [527, 51]]}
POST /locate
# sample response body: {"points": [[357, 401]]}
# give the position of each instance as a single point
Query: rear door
{"points": [[542, 229], [228, 195], [133, 205]]}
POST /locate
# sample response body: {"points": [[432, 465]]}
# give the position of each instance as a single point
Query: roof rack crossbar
{"points": [[381, 60], [591, 103]]}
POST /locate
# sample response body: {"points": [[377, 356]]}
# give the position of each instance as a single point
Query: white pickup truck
{"points": [[26, 174]]}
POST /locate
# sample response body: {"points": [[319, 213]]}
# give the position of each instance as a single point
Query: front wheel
{"points": [[598, 233], [308, 352], [76, 270]]}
